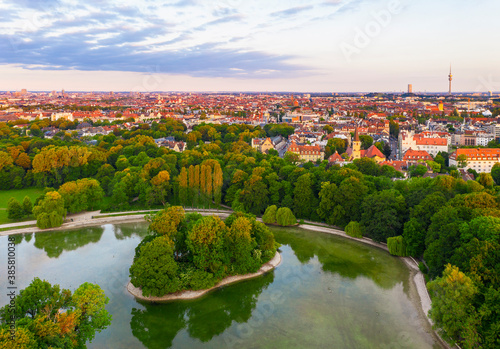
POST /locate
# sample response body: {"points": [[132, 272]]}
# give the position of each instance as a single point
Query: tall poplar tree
{"points": [[183, 186], [208, 185], [217, 187], [203, 185], [191, 185], [196, 187]]}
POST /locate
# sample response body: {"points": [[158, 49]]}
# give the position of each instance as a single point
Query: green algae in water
{"points": [[328, 292]]}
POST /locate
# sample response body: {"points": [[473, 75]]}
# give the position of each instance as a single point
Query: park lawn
{"points": [[19, 194]]}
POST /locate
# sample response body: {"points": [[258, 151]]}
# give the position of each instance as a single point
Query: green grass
{"points": [[125, 214], [19, 194], [18, 227]]}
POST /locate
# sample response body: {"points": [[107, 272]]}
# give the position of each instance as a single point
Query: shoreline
{"points": [[88, 220], [191, 294], [415, 275]]}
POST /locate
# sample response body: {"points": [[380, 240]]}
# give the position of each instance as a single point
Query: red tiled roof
{"points": [[372, 152], [335, 157], [416, 155]]}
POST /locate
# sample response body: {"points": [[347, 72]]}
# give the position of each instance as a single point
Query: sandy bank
{"points": [[186, 295]]}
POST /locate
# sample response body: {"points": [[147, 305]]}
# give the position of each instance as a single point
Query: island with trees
{"points": [[189, 252]]}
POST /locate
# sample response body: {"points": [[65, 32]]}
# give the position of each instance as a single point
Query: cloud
{"points": [[72, 51], [100, 36], [34, 4], [291, 11], [227, 19]]}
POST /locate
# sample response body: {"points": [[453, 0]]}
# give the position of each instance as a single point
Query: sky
{"points": [[238, 45]]}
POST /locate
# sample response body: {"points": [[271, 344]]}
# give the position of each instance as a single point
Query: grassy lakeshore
{"points": [[18, 194]]}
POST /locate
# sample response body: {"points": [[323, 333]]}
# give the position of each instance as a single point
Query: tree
{"points": [[387, 151], [353, 229], [495, 173], [89, 301], [81, 195], [417, 170], [206, 243], [285, 217], [452, 309], [486, 180], [183, 187], [155, 269], [217, 184], [269, 216], [383, 214], [254, 195], [160, 188], [48, 317], [5, 160], [292, 158], [167, 222], [367, 166], [304, 200], [366, 141], [462, 161], [14, 209], [393, 128], [27, 206], [397, 246], [50, 212], [239, 246], [348, 199], [327, 196]]}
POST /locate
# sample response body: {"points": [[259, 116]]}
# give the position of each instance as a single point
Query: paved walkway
{"points": [[95, 218]]}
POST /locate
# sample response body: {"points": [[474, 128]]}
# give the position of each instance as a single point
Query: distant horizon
{"points": [[253, 92], [233, 45]]}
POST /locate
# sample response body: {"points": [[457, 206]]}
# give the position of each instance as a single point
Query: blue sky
{"points": [[273, 45]]}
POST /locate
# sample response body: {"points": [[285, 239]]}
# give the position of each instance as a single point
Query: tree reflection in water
{"points": [[335, 255], [54, 243], [157, 325]]}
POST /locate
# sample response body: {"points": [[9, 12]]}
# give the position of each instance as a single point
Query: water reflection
{"points": [[336, 256], [54, 243], [157, 325], [128, 230]]}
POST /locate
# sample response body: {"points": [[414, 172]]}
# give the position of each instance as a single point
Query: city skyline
{"points": [[230, 45]]}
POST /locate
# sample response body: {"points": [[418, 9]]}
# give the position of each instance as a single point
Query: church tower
{"points": [[356, 146]]}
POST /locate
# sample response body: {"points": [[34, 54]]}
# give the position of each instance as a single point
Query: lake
{"points": [[328, 292]]}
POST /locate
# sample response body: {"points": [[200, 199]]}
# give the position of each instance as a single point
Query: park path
{"points": [[79, 220]]}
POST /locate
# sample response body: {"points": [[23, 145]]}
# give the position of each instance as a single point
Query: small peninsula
{"points": [[187, 255]]}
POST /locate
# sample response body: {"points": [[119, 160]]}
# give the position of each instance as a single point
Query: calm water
{"points": [[328, 292]]}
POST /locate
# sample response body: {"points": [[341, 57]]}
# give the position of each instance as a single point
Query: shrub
{"points": [[354, 229], [397, 246], [269, 216], [14, 209], [285, 217]]}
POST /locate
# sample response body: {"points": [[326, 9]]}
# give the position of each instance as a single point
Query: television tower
{"points": [[449, 79]]}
